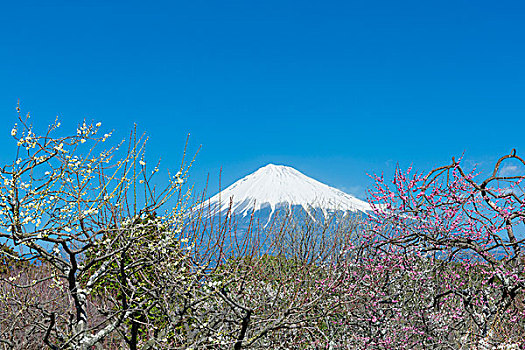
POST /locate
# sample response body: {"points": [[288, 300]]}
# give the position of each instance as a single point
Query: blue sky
{"points": [[334, 88]]}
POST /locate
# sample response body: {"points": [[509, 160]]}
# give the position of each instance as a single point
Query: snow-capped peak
{"points": [[279, 185]]}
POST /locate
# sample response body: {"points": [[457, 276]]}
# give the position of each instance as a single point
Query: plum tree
{"points": [[452, 217]]}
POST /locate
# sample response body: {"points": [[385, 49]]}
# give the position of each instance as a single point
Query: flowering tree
{"points": [[464, 228], [67, 202], [268, 287]]}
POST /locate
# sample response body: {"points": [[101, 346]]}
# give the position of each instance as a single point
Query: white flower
{"points": [[82, 140], [59, 147], [141, 162], [98, 124], [13, 131], [67, 229], [90, 211]]}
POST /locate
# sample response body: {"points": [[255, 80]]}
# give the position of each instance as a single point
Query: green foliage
{"points": [[142, 250], [10, 259]]}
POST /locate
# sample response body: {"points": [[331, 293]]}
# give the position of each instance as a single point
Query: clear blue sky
{"points": [[333, 88]]}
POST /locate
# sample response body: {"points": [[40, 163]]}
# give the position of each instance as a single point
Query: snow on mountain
{"points": [[278, 186]]}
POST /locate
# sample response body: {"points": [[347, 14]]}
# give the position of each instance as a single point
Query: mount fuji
{"points": [[276, 189]]}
